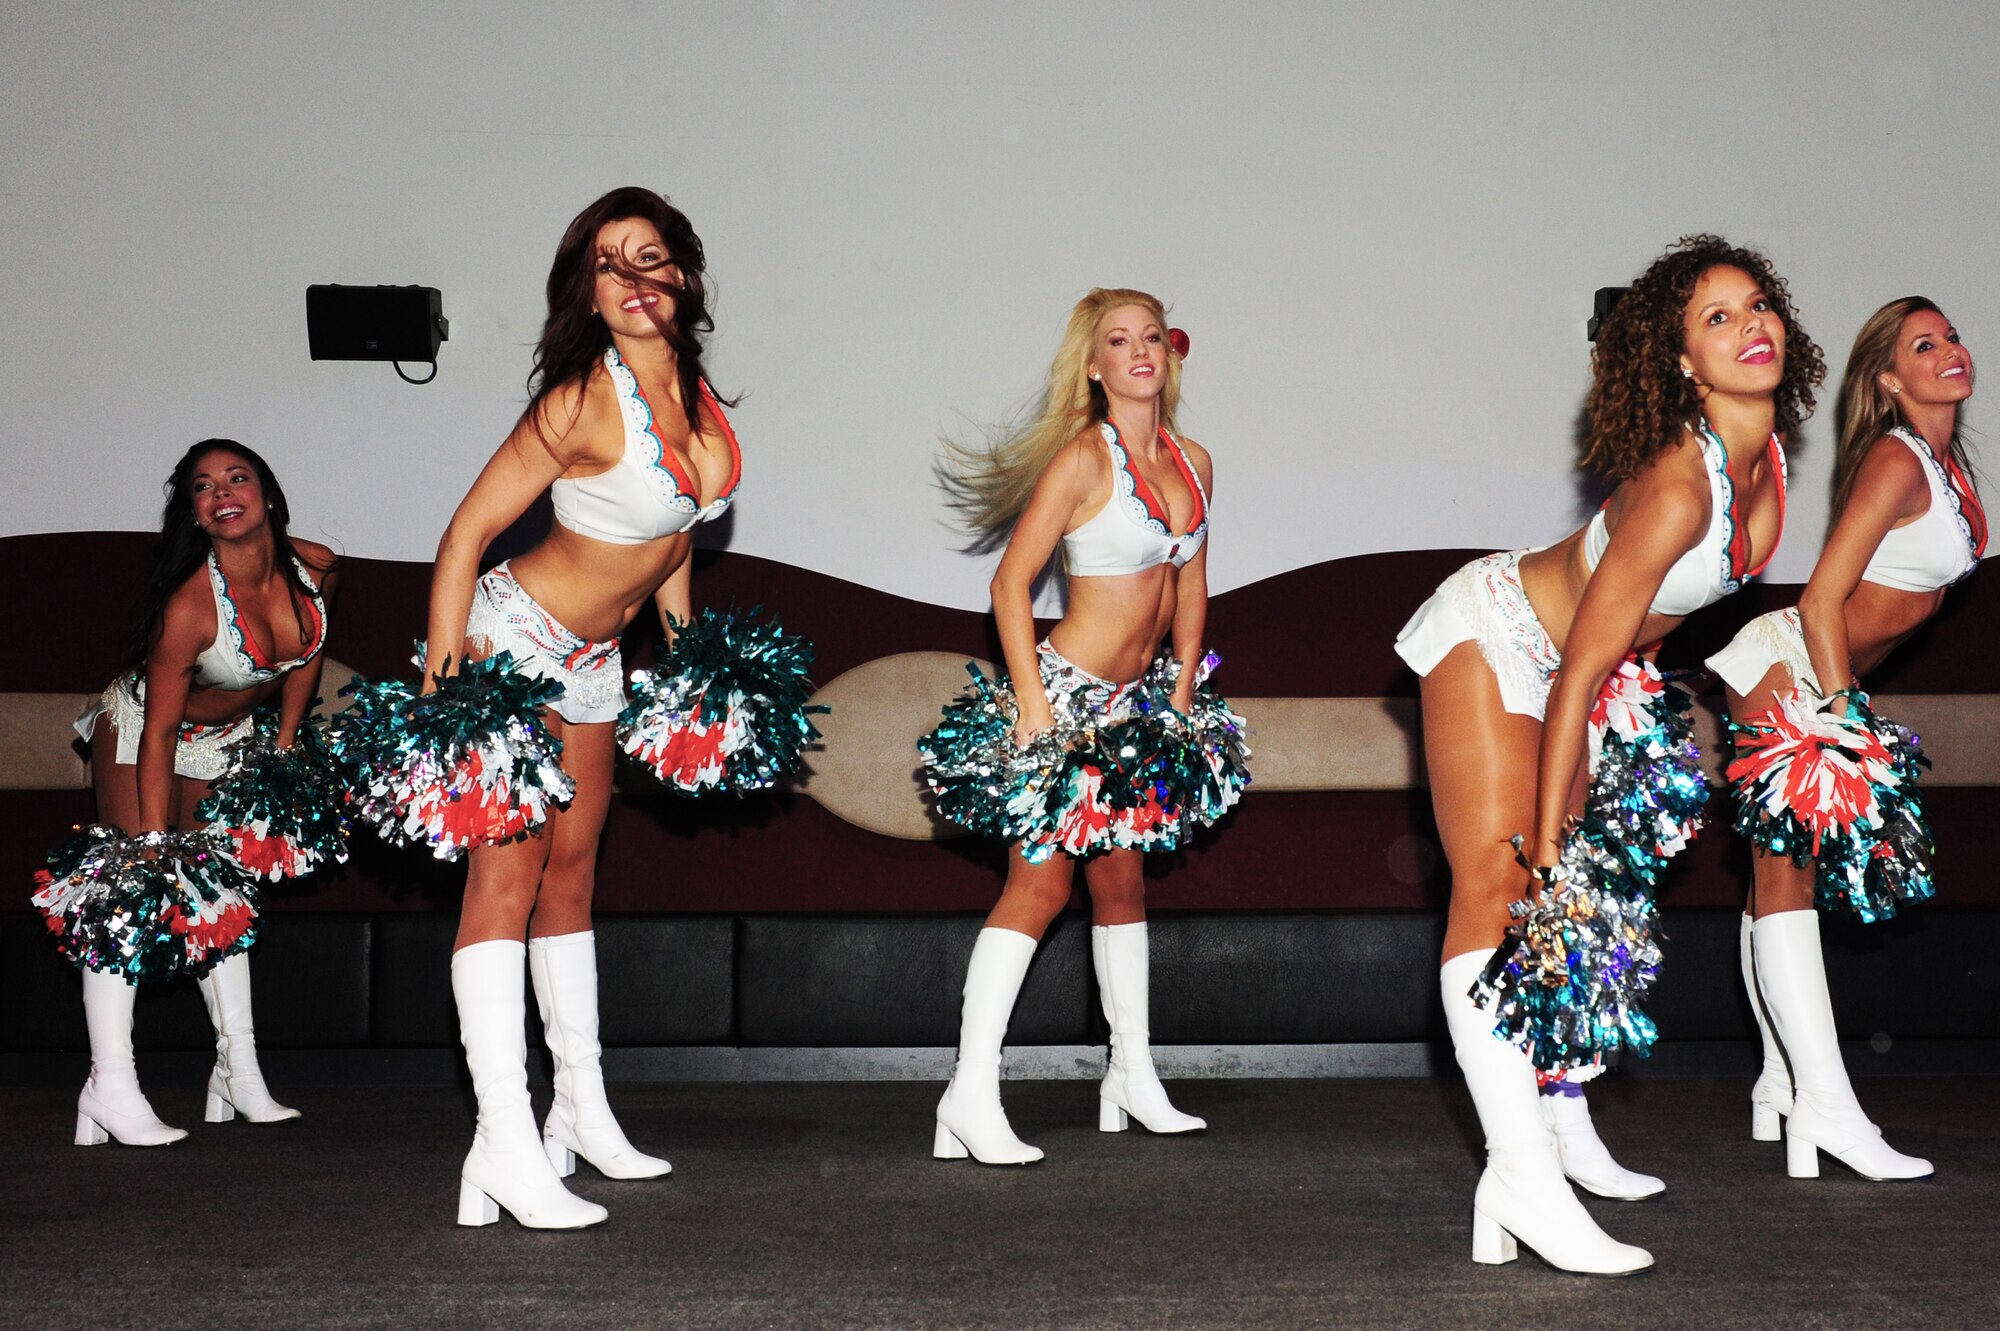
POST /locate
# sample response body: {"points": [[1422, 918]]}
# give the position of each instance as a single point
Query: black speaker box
{"points": [[375, 323]]}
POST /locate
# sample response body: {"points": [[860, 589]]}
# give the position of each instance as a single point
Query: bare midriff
{"points": [[1879, 619], [1554, 579], [595, 588], [1114, 624], [214, 707]]}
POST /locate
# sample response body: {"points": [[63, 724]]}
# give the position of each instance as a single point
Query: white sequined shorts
{"points": [[1774, 639], [1484, 603], [1075, 694], [198, 753], [505, 618]]}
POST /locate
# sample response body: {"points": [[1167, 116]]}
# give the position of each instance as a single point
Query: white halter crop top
{"points": [[234, 661], [645, 495], [1943, 545], [1133, 531], [1715, 566]]}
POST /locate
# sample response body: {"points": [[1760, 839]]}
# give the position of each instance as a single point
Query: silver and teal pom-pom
{"points": [[1085, 787], [1569, 981], [468, 764], [725, 710], [283, 812], [151, 907], [1215, 773], [1647, 789]]}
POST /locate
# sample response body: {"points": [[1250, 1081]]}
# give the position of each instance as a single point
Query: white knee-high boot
{"points": [[580, 1123], [111, 1104], [1522, 1194], [1771, 1096], [1791, 970], [1131, 1088], [506, 1165], [969, 1117], [1585, 1157], [236, 1085]]}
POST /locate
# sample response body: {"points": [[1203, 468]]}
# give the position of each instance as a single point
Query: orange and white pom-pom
{"points": [[686, 752], [1628, 704], [1811, 773]]}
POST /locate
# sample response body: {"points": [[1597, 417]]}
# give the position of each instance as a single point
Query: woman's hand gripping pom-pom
{"points": [[469, 764], [151, 907], [282, 812], [725, 709]]}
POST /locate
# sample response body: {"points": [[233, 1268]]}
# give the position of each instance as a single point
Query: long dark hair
{"points": [[183, 546], [573, 339]]}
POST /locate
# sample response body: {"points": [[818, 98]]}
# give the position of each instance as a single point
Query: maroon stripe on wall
{"points": [[1327, 630]]}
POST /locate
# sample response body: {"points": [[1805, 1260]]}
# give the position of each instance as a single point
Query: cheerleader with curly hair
{"points": [[1699, 374], [1906, 524]]}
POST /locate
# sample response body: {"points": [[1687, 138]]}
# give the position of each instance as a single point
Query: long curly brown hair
{"points": [[1639, 399]]}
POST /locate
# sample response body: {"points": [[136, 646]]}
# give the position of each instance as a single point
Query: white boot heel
{"points": [[1823, 1114], [475, 1207], [1110, 1118], [561, 1157], [508, 1167], [1766, 1124], [1522, 1198], [1801, 1157], [947, 1146], [580, 1122], [1492, 1245], [111, 1103], [969, 1117], [236, 1085], [1123, 960]]}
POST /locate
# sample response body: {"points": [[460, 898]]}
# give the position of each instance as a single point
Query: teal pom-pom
{"points": [[282, 811], [469, 764], [1143, 779], [149, 908], [1215, 771], [725, 710], [1570, 980], [1838, 792]]}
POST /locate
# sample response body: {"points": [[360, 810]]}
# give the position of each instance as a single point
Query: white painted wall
{"points": [[1381, 225]]}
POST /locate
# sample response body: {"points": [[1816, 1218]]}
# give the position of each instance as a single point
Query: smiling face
{"points": [[228, 498], [1733, 341], [1931, 365], [1129, 353], [633, 245]]}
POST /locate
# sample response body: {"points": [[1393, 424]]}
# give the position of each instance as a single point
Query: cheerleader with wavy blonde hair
{"points": [[1098, 745]]}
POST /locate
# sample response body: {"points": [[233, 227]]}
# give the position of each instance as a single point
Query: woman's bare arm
{"points": [[1891, 486], [1663, 518], [513, 478], [1063, 487]]}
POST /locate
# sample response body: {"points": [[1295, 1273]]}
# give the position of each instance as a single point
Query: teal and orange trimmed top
{"points": [[1134, 531], [647, 493], [235, 660]]}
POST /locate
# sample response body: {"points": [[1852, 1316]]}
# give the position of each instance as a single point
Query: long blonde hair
{"points": [[1866, 410], [988, 483]]}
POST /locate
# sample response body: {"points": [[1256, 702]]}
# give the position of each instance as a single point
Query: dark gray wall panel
{"points": [[412, 970], [1295, 979], [666, 979], [896, 980]]}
